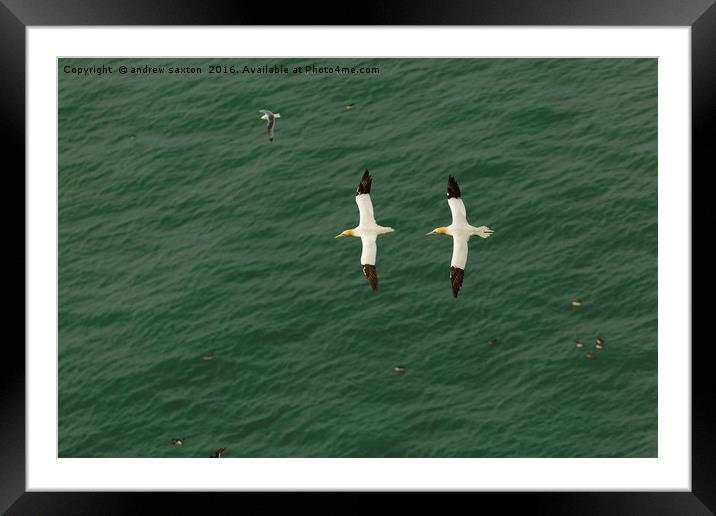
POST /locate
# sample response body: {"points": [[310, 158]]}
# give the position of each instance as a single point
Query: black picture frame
{"points": [[17, 15]]}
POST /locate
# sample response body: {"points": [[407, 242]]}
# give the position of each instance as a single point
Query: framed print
{"points": [[188, 298]]}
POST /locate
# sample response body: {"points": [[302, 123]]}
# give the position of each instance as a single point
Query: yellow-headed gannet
{"points": [[367, 229], [460, 231]]}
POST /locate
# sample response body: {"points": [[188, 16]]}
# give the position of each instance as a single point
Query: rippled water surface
{"points": [[184, 231]]}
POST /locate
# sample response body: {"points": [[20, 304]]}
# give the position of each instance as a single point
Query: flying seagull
{"points": [[367, 230], [460, 231], [270, 120]]}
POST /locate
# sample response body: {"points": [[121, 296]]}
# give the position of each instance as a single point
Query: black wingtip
{"points": [[453, 189], [364, 185], [456, 277], [371, 275]]}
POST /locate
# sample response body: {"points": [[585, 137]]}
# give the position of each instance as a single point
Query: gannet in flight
{"points": [[270, 120], [367, 230], [460, 231]]}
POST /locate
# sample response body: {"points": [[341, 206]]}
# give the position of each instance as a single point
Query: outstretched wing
{"points": [[457, 207], [365, 205], [367, 259], [369, 249], [459, 251], [457, 263]]}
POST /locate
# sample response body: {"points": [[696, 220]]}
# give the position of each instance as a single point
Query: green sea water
{"points": [[184, 231]]}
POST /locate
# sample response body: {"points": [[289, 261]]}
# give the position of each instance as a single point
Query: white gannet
{"points": [[270, 120], [367, 229], [460, 231]]}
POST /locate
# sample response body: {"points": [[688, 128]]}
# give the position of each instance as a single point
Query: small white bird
{"points": [[460, 231], [270, 120], [368, 230]]}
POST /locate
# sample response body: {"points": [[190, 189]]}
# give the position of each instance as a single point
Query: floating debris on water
{"points": [[590, 354], [217, 453], [492, 341], [399, 369], [579, 343], [576, 302], [207, 356], [177, 441], [349, 106]]}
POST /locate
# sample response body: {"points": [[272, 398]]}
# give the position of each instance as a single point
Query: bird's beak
{"points": [[431, 233], [339, 236]]}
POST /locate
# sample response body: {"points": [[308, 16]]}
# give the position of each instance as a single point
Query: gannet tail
{"points": [[483, 232]]}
